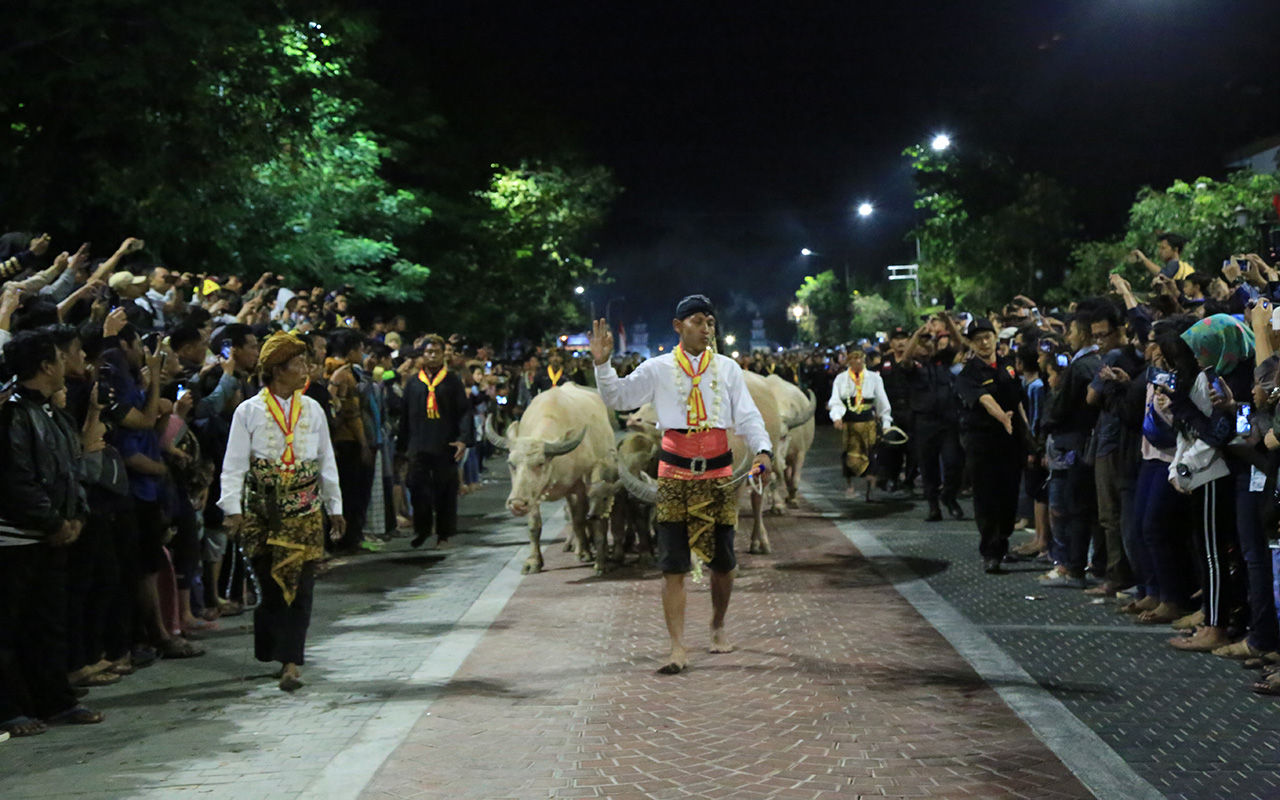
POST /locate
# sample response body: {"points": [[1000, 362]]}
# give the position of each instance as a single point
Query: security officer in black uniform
{"points": [[993, 428], [897, 385], [935, 413]]}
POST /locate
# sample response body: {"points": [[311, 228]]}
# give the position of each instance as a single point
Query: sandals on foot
{"points": [[77, 715], [105, 678], [19, 727], [178, 647]]}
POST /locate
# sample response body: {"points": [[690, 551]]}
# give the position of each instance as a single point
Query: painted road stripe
{"points": [[1090, 759], [351, 769]]}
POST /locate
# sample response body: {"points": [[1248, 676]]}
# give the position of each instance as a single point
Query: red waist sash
{"points": [[703, 444]]}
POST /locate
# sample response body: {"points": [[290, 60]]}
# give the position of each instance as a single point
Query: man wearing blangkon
{"points": [[697, 395]]}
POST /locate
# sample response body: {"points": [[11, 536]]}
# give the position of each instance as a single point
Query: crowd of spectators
{"points": [[1144, 428], [119, 380], [1147, 430]]}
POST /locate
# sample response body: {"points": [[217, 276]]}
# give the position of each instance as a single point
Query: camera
{"points": [[1063, 360]]}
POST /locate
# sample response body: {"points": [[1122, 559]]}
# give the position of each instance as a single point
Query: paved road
{"points": [[875, 659]]}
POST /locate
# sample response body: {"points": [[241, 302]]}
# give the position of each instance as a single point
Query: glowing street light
{"points": [[804, 251], [798, 311], [579, 289], [729, 339], [865, 210], [940, 142]]}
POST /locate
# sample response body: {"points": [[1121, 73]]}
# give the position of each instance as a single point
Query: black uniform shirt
{"points": [[932, 388], [979, 378]]}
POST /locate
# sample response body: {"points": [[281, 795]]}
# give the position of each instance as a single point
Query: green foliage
{"points": [[1205, 211], [989, 231], [225, 134], [826, 309], [524, 243], [871, 313]]}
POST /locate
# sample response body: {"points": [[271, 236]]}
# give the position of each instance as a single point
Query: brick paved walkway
{"points": [[839, 689]]}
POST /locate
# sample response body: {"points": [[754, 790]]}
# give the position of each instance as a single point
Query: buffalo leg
{"points": [[534, 562]]}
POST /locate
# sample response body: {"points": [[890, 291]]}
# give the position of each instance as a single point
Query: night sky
{"points": [[745, 131]]}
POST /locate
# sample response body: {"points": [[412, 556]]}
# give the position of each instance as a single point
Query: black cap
{"points": [[899, 333], [978, 325], [694, 304]]}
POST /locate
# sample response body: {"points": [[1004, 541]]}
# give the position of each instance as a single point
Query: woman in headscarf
{"points": [[279, 478], [1207, 405]]}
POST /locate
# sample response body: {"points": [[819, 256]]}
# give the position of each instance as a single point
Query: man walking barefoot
{"points": [[697, 395]]}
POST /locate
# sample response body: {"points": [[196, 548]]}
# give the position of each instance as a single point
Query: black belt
{"points": [[698, 464]]}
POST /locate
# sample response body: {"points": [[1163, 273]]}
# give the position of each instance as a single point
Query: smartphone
{"points": [[1243, 410], [1046, 346], [1215, 383], [1275, 318], [1164, 380], [1063, 360], [182, 392], [226, 349], [9, 385]]}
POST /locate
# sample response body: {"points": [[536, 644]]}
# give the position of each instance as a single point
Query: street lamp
{"points": [[865, 210], [940, 142], [804, 251], [579, 289], [729, 339]]}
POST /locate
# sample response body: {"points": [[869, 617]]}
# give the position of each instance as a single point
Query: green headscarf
{"points": [[1220, 341]]}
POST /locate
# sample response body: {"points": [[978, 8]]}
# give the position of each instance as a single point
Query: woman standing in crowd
{"points": [[1216, 366], [279, 478]]}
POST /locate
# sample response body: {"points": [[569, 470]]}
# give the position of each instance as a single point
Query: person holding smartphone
{"points": [[1068, 423], [1222, 349]]}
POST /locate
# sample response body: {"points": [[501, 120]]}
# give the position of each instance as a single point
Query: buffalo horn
{"points": [[552, 449], [641, 487], [493, 437]]}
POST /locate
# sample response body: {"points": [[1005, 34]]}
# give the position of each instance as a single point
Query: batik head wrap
{"points": [[1220, 341], [278, 349]]}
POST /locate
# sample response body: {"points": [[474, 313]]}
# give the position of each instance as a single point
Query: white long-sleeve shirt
{"points": [[254, 434], [872, 392], [661, 382]]}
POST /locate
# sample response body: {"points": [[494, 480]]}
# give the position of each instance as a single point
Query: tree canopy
{"points": [[241, 137]]}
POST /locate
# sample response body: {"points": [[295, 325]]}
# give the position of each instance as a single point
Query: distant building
{"points": [[1260, 156], [758, 339]]}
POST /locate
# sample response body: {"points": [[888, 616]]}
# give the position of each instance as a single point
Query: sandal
{"points": [[98, 679], [77, 715], [1268, 686], [177, 647], [230, 608], [19, 727]]}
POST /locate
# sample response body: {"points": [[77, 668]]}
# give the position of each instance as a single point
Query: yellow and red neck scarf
{"points": [[433, 407], [696, 414], [554, 375], [285, 420], [857, 386]]}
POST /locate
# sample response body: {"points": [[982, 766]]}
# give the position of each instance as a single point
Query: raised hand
{"points": [[601, 341]]}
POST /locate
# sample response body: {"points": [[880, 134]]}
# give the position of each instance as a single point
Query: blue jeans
{"points": [[1161, 544], [1264, 632], [1072, 515]]}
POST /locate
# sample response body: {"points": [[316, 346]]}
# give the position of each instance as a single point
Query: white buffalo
{"points": [[797, 410], [562, 448]]}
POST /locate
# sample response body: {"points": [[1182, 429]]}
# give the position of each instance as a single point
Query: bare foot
{"points": [[677, 663], [720, 642]]}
